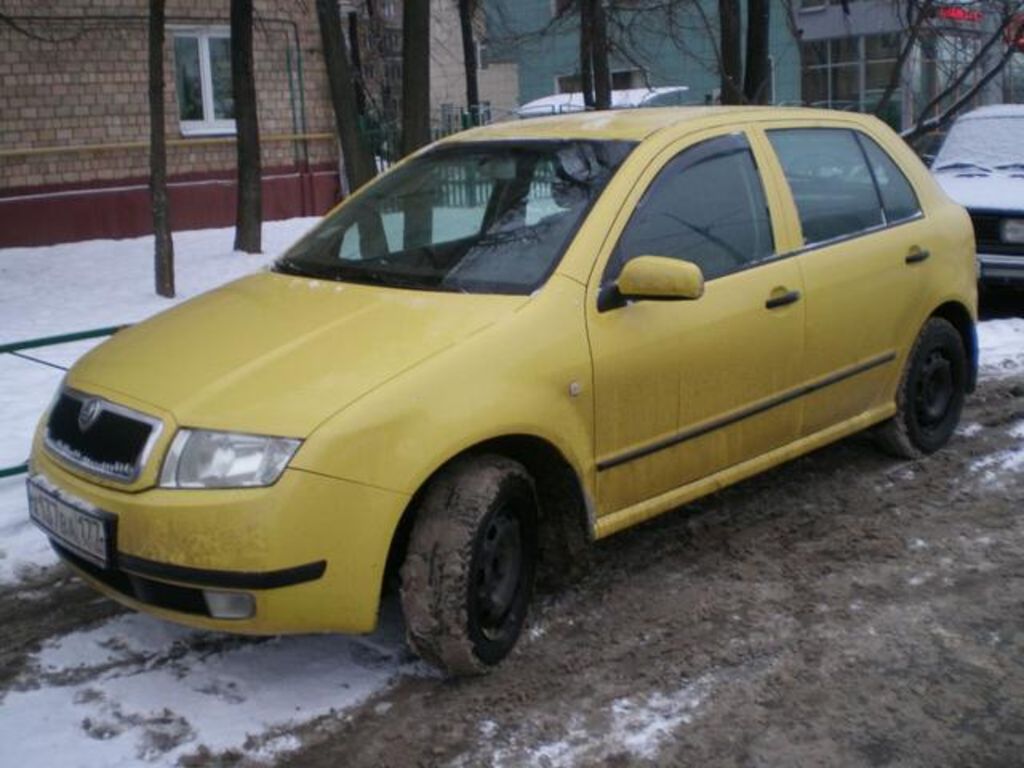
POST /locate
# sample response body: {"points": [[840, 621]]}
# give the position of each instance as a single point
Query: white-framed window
{"points": [[202, 74]]}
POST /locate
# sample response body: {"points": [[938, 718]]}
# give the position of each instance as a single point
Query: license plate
{"points": [[87, 533]]}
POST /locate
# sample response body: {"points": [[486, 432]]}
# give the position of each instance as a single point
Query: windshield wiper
{"points": [[1010, 167], [288, 267], [961, 165]]}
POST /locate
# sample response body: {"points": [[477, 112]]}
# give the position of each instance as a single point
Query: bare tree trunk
{"points": [[164, 245], [587, 53], [357, 63], [757, 75], [249, 213], [731, 51], [599, 48], [467, 9], [415, 75], [418, 214], [359, 166]]}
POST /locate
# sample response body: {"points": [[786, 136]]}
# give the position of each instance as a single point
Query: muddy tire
{"points": [[930, 396], [469, 568]]}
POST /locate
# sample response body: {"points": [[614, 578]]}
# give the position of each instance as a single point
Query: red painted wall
{"points": [[118, 209]]}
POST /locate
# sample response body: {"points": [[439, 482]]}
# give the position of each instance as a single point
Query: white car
{"points": [[628, 98], [981, 166]]}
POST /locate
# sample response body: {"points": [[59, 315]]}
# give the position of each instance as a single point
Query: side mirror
{"points": [[654, 278]]}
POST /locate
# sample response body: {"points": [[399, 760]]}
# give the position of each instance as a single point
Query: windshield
{"points": [[983, 144], [470, 217]]}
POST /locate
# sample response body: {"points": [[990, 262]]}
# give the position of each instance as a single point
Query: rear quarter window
{"points": [[898, 198]]}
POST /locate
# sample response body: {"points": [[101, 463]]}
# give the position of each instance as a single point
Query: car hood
{"points": [[277, 355], [989, 192]]}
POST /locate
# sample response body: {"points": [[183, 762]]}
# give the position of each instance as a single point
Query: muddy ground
{"points": [[846, 609]]}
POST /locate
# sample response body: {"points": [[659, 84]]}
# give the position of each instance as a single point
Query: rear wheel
{"points": [[469, 567], [931, 393]]}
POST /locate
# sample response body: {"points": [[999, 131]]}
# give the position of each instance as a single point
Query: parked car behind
{"points": [[981, 166], [523, 337], [627, 98]]}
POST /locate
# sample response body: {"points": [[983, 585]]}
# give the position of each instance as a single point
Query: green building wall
{"points": [[525, 32]]}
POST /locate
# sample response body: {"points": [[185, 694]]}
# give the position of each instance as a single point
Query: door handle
{"points": [[782, 299], [917, 255]]}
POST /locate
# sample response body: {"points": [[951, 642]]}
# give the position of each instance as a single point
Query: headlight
{"points": [[1012, 231], [201, 459]]}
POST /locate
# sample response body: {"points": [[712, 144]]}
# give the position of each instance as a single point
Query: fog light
{"points": [[229, 605]]}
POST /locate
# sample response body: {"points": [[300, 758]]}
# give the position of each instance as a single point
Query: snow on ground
{"points": [[996, 465], [69, 287], [23, 549], [137, 690], [1001, 346], [637, 726]]}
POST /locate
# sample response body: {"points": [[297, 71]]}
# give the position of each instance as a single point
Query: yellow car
{"points": [[523, 337]]}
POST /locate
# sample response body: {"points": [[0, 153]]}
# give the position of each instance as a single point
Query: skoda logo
{"points": [[90, 412]]}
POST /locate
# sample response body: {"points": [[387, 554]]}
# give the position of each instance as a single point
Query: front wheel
{"points": [[469, 568], [931, 393]]}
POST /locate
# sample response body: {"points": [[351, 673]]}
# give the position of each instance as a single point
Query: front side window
{"points": [[705, 206], [472, 217], [202, 71], [830, 180]]}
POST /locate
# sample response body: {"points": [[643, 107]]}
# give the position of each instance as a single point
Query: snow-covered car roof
{"points": [[988, 137], [981, 162], [627, 98]]}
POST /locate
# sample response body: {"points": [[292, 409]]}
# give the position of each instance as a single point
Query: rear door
{"points": [[865, 249]]}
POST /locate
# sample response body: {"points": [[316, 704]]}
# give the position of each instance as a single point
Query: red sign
{"points": [[1014, 32], [957, 13]]}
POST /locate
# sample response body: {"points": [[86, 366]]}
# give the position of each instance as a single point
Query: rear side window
{"points": [[706, 206], [898, 197], [832, 185]]}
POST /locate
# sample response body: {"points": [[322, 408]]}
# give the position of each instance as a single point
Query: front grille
{"points": [[107, 439], [989, 238], [986, 228]]}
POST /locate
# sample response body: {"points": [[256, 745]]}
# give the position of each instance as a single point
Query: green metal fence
{"points": [[16, 349], [384, 137]]}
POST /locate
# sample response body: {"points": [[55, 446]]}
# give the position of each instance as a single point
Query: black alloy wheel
{"points": [[931, 393]]}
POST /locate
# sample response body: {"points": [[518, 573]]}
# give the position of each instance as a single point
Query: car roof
{"points": [[638, 124], [994, 110]]}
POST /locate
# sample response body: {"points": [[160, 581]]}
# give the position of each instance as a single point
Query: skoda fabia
{"points": [[521, 338]]}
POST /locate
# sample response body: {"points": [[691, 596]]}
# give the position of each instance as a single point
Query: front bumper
{"points": [[310, 550], [1001, 268]]}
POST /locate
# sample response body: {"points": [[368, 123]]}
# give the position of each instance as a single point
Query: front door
{"points": [[686, 388]]}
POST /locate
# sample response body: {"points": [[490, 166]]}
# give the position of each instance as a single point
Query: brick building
{"points": [[74, 114], [74, 119]]}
